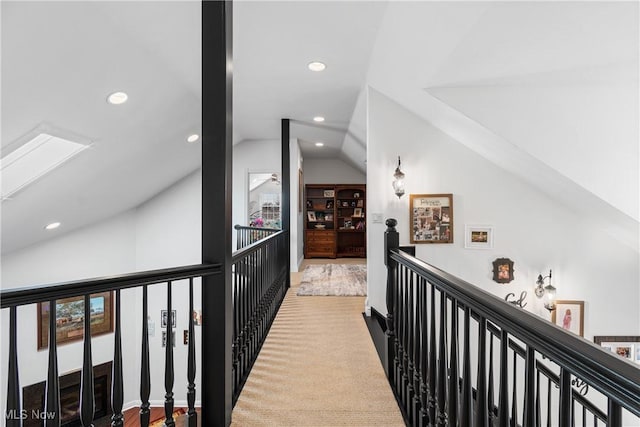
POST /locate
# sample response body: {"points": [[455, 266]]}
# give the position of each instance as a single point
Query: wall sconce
{"points": [[548, 292], [398, 182]]}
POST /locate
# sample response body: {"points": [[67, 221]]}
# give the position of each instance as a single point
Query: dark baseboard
{"points": [[376, 324]]}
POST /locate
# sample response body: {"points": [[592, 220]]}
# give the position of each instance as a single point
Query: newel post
{"points": [[391, 241]]}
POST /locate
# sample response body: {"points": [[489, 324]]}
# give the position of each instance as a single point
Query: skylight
{"points": [[34, 159]]}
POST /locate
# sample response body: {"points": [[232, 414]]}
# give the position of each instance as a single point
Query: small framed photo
{"points": [[360, 203], [311, 216], [478, 236], [624, 346], [356, 195], [164, 338], [164, 318], [569, 315], [502, 270], [357, 212], [431, 218], [197, 317], [329, 193]]}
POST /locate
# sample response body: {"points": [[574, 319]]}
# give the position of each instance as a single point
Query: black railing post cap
{"points": [[391, 224]]}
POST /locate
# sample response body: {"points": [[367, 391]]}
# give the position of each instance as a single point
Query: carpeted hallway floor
{"points": [[318, 367]]}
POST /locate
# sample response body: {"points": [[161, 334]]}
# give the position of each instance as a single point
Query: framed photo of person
{"points": [[502, 270], [624, 346], [569, 315], [431, 218]]}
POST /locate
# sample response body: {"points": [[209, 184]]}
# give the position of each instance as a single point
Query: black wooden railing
{"points": [[259, 285], [259, 273], [526, 371], [246, 236], [14, 299]]}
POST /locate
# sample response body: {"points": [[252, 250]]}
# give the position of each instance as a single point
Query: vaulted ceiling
{"points": [[541, 88]]}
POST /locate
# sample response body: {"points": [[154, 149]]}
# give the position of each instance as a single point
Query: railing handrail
{"points": [[247, 227], [241, 253], [616, 378], [41, 293]]}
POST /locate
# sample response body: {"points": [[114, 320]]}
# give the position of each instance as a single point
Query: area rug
{"points": [[160, 421], [334, 279]]}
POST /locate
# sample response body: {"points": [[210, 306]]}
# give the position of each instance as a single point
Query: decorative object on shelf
{"points": [[548, 292], [502, 270], [624, 346], [431, 218], [320, 226], [329, 193], [345, 204], [356, 195], [70, 318], [517, 302], [398, 181], [357, 212], [360, 203], [360, 225], [328, 217], [569, 315], [309, 204], [348, 224], [478, 236], [329, 204], [164, 318], [311, 216]]}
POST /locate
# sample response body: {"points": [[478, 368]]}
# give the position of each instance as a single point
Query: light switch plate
{"points": [[377, 218]]}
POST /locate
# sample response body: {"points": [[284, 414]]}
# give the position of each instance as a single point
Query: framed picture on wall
{"points": [[478, 236], [70, 318], [623, 345], [502, 270], [569, 315], [431, 218]]}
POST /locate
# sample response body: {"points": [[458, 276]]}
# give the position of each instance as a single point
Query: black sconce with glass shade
{"points": [[398, 182], [547, 292]]}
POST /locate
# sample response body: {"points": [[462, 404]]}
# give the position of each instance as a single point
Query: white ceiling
{"points": [[539, 81], [60, 60]]}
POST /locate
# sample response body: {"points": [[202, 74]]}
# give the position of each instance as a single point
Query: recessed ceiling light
{"points": [[193, 138], [319, 144], [318, 119], [52, 226], [316, 66], [34, 159], [117, 98]]}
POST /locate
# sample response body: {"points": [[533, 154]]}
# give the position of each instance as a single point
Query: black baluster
{"points": [[432, 358], [514, 398], [565, 397], [410, 368], [482, 416], [391, 242], [584, 416], [548, 402], [13, 380], [490, 400], [529, 385], [538, 416], [442, 363], [192, 416], [424, 351], [117, 395], [168, 365], [415, 286], [614, 413], [145, 374], [52, 403], [503, 396], [235, 346], [87, 399], [467, 402], [401, 327], [454, 388], [405, 342]]}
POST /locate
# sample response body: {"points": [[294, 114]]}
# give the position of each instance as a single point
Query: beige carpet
{"points": [[318, 367]]}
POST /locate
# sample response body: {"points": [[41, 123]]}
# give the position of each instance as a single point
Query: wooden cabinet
{"points": [[335, 220]]}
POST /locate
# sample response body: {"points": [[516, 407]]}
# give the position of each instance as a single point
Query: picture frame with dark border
{"points": [[70, 318], [502, 270], [626, 346]]}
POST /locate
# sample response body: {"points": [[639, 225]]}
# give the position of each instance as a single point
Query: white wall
{"points": [[533, 230], [331, 171], [297, 226], [112, 251], [251, 156]]}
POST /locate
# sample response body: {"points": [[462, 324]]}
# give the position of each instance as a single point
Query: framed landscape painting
{"points": [[70, 318]]}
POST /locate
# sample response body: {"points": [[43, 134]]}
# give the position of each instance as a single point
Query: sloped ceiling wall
{"points": [[547, 91]]}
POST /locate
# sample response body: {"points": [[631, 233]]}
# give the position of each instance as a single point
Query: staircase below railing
{"points": [[456, 355]]}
